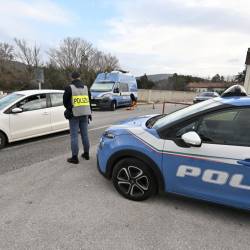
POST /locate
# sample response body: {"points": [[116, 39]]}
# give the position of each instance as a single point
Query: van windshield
{"points": [[102, 86]]}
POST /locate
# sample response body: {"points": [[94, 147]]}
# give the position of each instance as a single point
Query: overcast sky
{"points": [[199, 37]]}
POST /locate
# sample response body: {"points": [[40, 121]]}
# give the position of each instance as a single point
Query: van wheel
{"points": [[133, 179], [113, 106], [3, 140]]}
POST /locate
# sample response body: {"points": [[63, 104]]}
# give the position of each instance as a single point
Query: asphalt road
{"points": [[46, 203], [25, 153]]}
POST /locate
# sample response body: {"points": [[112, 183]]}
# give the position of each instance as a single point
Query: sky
{"points": [[197, 37]]}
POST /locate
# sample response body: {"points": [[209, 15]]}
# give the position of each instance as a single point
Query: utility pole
{"points": [[39, 77]]}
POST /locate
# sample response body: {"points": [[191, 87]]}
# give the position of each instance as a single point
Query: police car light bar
{"points": [[235, 90]]}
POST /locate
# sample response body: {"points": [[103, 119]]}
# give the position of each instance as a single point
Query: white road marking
{"points": [[106, 126], [50, 139]]}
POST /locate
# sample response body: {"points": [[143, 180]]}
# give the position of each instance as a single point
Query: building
{"points": [[208, 86], [247, 78]]}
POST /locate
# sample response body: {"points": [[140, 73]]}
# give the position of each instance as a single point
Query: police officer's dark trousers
{"points": [[75, 124]]}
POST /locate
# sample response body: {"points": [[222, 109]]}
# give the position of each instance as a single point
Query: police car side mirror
{"points": [[192, 139]]}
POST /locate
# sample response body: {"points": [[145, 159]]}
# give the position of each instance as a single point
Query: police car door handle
{"points": [[45, 113], [245, 162]]}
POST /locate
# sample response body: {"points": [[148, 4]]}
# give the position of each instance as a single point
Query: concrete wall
{"points": [[148, 95]]}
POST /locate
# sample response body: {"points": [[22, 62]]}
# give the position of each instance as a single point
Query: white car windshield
{"points": [[102, 86], [8, 100], [182, 113]]}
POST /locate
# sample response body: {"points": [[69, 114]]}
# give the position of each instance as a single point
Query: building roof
{"points": [[195, 85]]}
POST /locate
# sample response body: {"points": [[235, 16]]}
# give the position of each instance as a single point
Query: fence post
{"points": [[163, 108], [149, 95]]}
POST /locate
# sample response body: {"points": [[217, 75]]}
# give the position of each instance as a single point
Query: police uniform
{"points": [[80, 101], [76, 100]]}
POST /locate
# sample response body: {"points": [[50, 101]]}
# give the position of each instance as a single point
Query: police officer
{"points": [[76, 100]]}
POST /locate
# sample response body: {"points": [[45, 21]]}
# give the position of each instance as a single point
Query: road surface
{"points": [[46, 203]]}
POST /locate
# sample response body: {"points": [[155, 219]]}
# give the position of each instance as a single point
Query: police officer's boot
{"points": [[73, 160], [85, 155]]}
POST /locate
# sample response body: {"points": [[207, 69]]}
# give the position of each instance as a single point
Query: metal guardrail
{"points": [[181, 103]]}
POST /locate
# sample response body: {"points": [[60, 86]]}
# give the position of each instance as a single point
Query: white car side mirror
{"points": [[16, 110], [192, 139]]}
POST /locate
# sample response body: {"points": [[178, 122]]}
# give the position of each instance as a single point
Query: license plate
{"points": [[93, 105]]}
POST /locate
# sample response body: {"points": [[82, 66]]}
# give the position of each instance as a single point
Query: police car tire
{"points": [[113, 106], [127, 183], [3, 140]]}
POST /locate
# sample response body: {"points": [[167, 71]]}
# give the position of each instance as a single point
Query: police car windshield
{"points": [[8, 100], [185, 112], [102, 86]]}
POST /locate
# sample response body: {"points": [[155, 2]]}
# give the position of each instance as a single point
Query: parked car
{"points": [[31, 113], [112, 90], [205, 96], [202, 151]]}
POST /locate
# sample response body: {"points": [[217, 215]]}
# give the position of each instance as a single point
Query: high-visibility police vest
{"points": [[80, 101]]}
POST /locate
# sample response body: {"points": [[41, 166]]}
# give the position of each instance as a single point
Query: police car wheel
{"points": [[133, 179], [3, 140], [113, 106]]}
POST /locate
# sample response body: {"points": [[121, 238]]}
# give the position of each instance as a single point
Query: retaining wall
{"points": [[150, 95]]}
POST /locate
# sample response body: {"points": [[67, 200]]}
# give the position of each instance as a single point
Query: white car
{"points": [[31, 113]]}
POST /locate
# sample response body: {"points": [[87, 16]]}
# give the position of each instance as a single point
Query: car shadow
{"points": [[236, 215], [108, 110], [36, 139]]}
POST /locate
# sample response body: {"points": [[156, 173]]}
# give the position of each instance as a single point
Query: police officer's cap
{"points": [[75, 75]]}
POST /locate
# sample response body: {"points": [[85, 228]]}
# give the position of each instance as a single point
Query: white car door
{"points": [[34, 120], [58, 121]]}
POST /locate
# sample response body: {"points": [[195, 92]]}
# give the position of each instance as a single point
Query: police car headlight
{"points": [[109, 135]]}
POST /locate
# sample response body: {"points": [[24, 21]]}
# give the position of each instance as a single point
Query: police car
{"points": [[202, 151]]}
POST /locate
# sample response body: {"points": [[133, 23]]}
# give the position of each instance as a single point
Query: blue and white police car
{"points": [[202, 151]]}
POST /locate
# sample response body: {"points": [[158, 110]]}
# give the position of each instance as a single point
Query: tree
{"points": [[29, 55], [240, 77], [54, 77], [216, 78], [6, 52], [179, 82], [76, 54], [144, 83], [19, 63], [72, 54]]}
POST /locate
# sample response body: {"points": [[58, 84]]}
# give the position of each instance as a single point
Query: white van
{"points": [[112, 90]]}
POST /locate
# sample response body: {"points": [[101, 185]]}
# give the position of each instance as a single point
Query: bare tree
{"points": [[78, 54], [72, 54], [6, 52], [110, 62], [29, 55]]}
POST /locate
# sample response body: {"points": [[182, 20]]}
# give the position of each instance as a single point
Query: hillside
{"points": [[158, 77]]}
